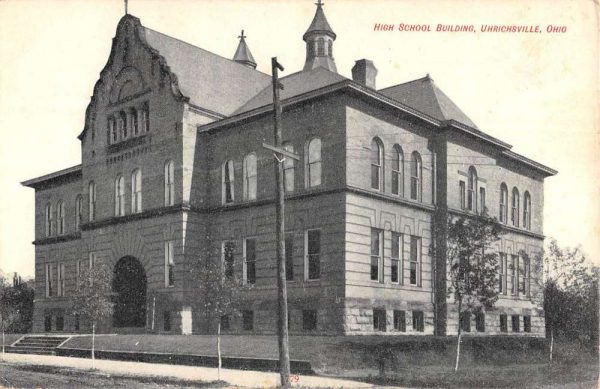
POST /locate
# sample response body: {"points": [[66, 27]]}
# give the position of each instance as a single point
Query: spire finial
{"points": [[242, 36], [319, 3]]}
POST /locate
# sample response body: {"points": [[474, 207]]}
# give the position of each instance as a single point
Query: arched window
{"points": [[78, 212], [136, 191], [119, 196], [376, 164], [472, 190], [527, 211], [60, 216], [313, 163], [416, 172], [112, 131], [48, 219], [92, 200], [135, 130], [288, 169], [330, 47], [144, 119], [228, 182], [503, 203], [515, 207], [398, 171], [121, 126], [249, 170], [169, 184], [320, 47]]}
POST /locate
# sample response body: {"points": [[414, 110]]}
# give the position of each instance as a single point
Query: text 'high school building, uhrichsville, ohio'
{"points": [[173, 170]]}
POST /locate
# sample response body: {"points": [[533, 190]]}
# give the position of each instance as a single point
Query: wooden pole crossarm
{"points": [[282, 151]]}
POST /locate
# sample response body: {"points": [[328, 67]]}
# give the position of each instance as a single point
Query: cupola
{"points": [[319, 42], [243, 54]]}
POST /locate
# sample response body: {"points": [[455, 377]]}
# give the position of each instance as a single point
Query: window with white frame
{"points": [[249, 172], [527, 211], [48, 219], [92, 259], [133, 121], [144, 119], [228, 250], [376, 255], [515, 207], [121, 125], [524, 272], [377, 164], [312, 249], [119, 196], [228, 182], [472, 190], [60, 216], [502, 273], [60, 277], [136, 191], [482, 200], [416, 174], [169, 264], [398, 171], [78, 212], [112, 131], [91, 201], [514, 275], [249, 270], [169, 183], [313, 163], [288, 169], [503, 203], [397, 254], [415, 260]]}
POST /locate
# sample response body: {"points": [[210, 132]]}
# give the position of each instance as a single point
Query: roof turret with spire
{"points": [[319, 42], [243, 54]]}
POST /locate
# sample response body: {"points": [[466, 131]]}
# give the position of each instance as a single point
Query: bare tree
{"points": [[92, 299], [219, 297], [472, 266]]}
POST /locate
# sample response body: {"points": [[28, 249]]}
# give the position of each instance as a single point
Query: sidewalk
{"points": [[240, 378]]}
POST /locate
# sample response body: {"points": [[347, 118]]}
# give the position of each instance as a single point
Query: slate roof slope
{"points": [[424, 96], [293, 85], [210, 81]]}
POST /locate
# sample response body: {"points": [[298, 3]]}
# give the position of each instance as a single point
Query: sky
{"points": [[536, 91]]}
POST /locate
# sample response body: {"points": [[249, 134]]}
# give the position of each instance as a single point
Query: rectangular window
{"points": [[247, 320], [47, 323], [480, 322], [169, 264], [527, 323], [415, 260], [309, 320], [525, 275], [167, 321], [376, 255], [465, 321], [92, 259], [514, 274], [515, 323], [462, 188], [289, 256], [249, 271], [417, 321], [228, 259], [49, 280], [400, 321], [312, 267], [482, 200], [92, 201], [76, 322], [503, 323], [397, 251], [502, 273], [288, 169], [61, 279], [60, 323], [379, 320], [225, 323]]}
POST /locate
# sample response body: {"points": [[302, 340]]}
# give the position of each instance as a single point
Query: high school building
{"points": [[173, 171]]}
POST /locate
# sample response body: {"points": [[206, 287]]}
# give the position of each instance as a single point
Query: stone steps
{"points": [[45, 345]]}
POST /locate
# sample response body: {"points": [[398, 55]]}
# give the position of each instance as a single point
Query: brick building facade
{"points": [[173, 170]]}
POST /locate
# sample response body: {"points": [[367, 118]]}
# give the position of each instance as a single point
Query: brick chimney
{"points": [[364, 72]]}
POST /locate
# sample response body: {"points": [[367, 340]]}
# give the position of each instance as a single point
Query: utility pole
{"points": [[280, 154]]}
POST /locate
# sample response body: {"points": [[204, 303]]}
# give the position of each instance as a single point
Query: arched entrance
{"points": [[129, 287]]}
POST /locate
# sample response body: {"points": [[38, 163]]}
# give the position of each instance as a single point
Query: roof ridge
{"points": [[426, 77], [199, 48]]}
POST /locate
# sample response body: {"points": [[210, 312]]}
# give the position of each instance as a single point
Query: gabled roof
{"points": [[293, 85], [210, 81], [319, 24], [424, 96]]}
